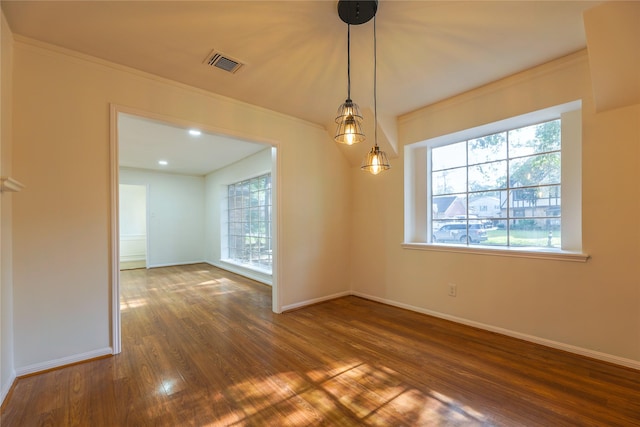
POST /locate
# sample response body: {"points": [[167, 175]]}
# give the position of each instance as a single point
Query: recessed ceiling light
{"points": [[163, 162], [194, 132]]}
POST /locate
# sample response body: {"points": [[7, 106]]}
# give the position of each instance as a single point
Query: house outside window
{"points": [[502, 189], [249, 240], [538, 202]]}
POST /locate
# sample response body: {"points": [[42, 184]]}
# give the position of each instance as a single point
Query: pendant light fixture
{"points": [[349, 118], [376, 161]]}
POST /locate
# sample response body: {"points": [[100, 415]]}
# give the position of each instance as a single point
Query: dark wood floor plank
{"points": [[201, 347]]}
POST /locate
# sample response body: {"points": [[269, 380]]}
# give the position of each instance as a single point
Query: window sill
{"points": [[535, 253], [247, 266]]}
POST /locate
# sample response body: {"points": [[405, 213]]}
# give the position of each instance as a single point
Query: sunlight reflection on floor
{"points": [[372, 394], [132, 303]]}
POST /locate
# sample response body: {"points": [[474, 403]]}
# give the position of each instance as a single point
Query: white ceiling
{"points": [[295, 51], [144, 142]]}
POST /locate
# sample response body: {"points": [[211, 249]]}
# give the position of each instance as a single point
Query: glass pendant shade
{"points": [[376, 161], [349, 120]]}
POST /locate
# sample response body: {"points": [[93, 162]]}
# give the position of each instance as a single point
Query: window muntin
{"points": [[508, 183], [249, 222]]}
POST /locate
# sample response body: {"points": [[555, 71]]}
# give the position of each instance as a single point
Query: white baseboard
{"points": [[134, 257], [315, 300], [630, 363], [57, 363], [173, 264], [6, 387]]}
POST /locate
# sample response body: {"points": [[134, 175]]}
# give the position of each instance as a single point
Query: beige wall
{"points": [[594, 306], [7, 372], [61, 227]]}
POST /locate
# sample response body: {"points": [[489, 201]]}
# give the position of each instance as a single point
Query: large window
{"points": [[502, 189], [249, 222], [512, 187]]}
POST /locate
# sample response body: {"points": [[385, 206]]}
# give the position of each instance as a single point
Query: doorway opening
{"points": [[169, 191], [133, 226]]}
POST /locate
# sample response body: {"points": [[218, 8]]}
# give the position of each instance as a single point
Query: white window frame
{"points": [[417, 190]]}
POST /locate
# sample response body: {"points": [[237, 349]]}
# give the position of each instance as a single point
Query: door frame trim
{"points": [[114, 244]]}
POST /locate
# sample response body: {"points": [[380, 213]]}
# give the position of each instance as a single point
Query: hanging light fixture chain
{"points": [[375, 84], [348, 61]]}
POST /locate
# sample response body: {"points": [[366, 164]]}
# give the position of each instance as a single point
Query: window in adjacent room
{"points": [[249, 222], [512, 185]]}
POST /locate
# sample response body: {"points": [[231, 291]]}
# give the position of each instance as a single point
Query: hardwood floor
{"points": [[201, 347]]}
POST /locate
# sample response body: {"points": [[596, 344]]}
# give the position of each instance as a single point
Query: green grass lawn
{"points": [[537, 238]]}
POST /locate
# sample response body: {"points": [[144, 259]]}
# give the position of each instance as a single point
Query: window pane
{"points": [[488, 176], [533, 139], [449, 232], [449, 156], [534, 232], [488, 148], [245, 194], [549, 199], [253, 199], [488, 205], [535, 170], [536, 202], [235, 228], [246, 217], [476, 233], [449, 181], [523, 202], [257, 228], [549, 135], [497, 233], [449, 207]]}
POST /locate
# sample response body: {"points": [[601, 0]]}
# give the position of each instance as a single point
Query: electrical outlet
{"points": [[453, 290]]}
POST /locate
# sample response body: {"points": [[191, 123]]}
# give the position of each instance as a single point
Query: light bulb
{"points": [[375, 165], [349, 129]]}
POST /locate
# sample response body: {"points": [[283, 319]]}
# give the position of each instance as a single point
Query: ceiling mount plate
{"points": [[356, 12]]}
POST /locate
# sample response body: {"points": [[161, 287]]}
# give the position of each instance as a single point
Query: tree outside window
{"points": [[509, 183], [249, 222]]}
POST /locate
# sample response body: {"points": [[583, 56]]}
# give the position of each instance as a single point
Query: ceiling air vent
{"points": [[218, 60]]}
